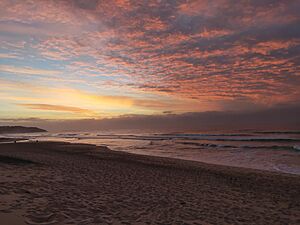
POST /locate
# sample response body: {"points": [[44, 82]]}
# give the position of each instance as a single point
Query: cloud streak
{"points": [[58, 108]]}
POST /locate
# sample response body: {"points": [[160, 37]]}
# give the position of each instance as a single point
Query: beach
{"points": [[64, 183]]}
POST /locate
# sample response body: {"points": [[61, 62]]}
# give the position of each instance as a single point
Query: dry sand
{"points": [[61, 183]]}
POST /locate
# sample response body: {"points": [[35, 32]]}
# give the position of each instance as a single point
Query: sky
{"points": [[92, 60]]}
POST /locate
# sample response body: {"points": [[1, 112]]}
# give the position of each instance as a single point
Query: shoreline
{"points": [[113, 187], [210, 160]]}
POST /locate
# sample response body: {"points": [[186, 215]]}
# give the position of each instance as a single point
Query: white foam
{"points": [[296, 147]]}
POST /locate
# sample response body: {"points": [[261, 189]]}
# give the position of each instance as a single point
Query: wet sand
{"points": [[61, 183], [9, 140]]}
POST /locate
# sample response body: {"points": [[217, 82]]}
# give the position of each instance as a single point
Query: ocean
{"points": [[264, 150]]}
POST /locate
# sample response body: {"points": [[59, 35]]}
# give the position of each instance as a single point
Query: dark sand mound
{"points": [[13, 160], [84, 184]]}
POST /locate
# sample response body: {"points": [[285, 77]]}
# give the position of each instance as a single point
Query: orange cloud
{"points": [[59, 108], [155, 24]]}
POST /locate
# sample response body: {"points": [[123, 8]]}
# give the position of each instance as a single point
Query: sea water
{"points": [[265, 150]]}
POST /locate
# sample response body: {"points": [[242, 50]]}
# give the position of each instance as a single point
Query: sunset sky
{"points": [[92, 59]]}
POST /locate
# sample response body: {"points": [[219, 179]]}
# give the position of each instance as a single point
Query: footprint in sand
{"points": [[41, 219]]}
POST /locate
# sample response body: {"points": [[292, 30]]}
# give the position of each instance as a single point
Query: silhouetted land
{"points": [[19, 129]]}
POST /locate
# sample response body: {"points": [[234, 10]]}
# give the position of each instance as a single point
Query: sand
{"points": [[61, 183]]}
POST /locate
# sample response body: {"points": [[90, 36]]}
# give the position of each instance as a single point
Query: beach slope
{"points": [[62, 183]]}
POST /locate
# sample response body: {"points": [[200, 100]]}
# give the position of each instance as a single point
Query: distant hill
{"points": [[19, 129]]}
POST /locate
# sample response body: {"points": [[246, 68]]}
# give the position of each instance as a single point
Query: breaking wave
{"points": [[272, 147]]}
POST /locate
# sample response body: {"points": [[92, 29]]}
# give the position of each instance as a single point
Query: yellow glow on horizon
{"points": [[63, 102], [27, 99]]}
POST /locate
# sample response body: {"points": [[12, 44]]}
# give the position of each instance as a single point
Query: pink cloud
{"points": [[195, 50]]}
